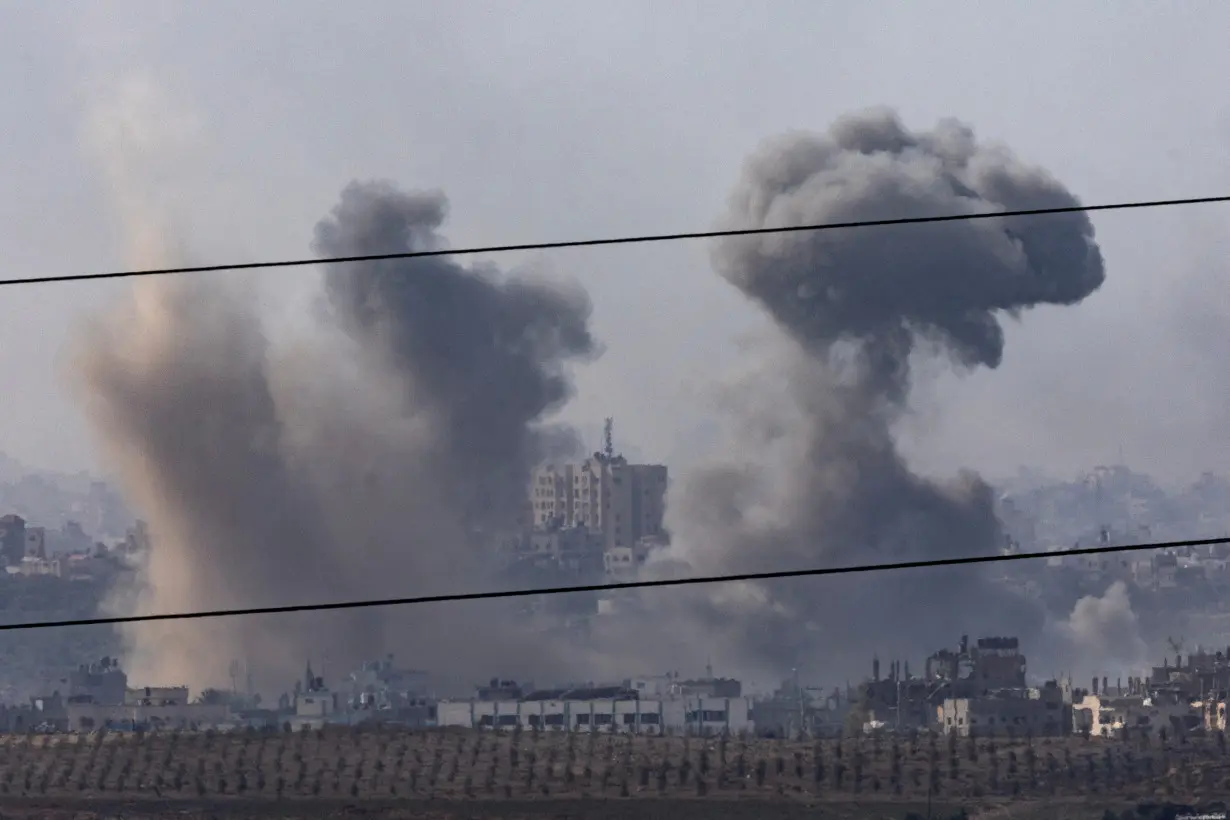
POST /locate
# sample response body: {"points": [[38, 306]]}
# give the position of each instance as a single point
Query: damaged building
{"points": [[975, 688]]}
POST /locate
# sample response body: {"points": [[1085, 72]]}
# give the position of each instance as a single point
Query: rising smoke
{"points": [[817, 478], [361, 462], [377, 458], [1106, 629]]}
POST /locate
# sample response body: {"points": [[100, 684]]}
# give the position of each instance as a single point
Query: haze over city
{"points": [[634, 412]]}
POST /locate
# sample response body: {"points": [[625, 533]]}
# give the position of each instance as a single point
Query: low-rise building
{"points": [[29, 566], [605, 709], [101, 682], [1037, 712], [156, 696], [1109, 716], [84, 717]]}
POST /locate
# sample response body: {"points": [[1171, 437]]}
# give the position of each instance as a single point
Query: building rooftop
{"points": [[587, 693]]}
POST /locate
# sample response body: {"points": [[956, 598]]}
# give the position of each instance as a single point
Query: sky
{"points": [[555, 121]]}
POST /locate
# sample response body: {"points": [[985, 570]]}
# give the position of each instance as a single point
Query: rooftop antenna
{"points": [[608, 438]]}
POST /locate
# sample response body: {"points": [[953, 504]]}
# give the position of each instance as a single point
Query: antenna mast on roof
{"points": [[608, 438]]}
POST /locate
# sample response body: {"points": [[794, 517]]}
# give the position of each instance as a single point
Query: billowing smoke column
{"points": [[352, 466], [1106, 629], [818, 479], [481, 359]]}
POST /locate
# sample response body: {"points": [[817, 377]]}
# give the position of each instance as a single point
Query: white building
{"points": [[37, 566], [1103, 716], [315, 704], [696, 715], [625, 502], [158, 707], [156, 696]]}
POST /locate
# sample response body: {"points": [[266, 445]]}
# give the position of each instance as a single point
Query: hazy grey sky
{"points": [[558, 120]]}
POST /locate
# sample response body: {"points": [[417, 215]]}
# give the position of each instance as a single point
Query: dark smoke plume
{"points": [[380, 461], [818, 479], [480, 357]]}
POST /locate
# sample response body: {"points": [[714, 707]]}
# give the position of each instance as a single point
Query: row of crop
{"points": [[437, 763]]}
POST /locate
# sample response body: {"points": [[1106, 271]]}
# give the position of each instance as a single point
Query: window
{"points": [[650, 718], [603, 719], [554, 720], [582, 720], [630, 719]]}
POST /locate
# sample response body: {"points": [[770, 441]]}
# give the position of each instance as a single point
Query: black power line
{"points": [[666, 582], [622, 240]]}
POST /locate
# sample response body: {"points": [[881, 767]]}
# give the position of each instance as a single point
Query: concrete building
{"points": [[381, 684], [1035, 712], [84, 717], [603, 494], [573, 548], [156, 696], [101, 682], [624, 563], [12, 539], [991, 664], [31, 566], [606, 709], [795, 708], [318, 703], [1110, 715]]}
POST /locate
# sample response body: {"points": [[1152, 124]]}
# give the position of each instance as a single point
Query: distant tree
{"points": [[993, 758]]}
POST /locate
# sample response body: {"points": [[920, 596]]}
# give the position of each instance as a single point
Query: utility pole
{"points": [[898, 705], [798, 693]]}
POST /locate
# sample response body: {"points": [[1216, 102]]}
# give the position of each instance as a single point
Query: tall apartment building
{"points": [[624, 502]]}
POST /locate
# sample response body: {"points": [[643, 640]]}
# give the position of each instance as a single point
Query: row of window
{"points": [[601, 719], [557, 719]]}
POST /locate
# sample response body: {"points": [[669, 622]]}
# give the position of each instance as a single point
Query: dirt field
{"points": [[453, 773]]}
